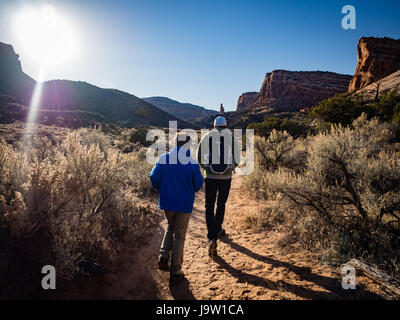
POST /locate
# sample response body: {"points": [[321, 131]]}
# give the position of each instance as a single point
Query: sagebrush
{"points": [[64, 202], [342, 192]]}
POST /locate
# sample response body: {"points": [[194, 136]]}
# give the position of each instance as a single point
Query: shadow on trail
{"points": [[333, 285], [272, 285], [181, 291]]}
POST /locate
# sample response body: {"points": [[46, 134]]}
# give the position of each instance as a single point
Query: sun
{"points": [[44, 35]]}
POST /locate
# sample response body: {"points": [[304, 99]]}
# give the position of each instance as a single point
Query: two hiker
{"points": [[177, 182]]}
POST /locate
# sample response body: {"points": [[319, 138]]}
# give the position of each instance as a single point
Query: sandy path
{"points": [[250, 265]]}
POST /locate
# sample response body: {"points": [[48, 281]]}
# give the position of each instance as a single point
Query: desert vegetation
{"points": [[294, 128], [67, 202], [345, 108], [337, 192]]}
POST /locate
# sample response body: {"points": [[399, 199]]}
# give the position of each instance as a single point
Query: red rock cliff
{"points": [[246, 99], [377, 58], [294, 90]]}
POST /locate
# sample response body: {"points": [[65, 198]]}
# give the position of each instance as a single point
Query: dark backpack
{"points": [[221, 165]]}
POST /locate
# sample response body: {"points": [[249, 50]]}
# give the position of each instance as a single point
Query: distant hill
{"points": [[240, 119], [114, 105], [81, 102], [184, 111]]}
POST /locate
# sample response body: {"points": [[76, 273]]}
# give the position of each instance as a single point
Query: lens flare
{"points": [[48, 38], [44, 35], [29, 130]]}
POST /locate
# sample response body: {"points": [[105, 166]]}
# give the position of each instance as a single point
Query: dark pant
{"points": [[212, 187], [174, 239]]}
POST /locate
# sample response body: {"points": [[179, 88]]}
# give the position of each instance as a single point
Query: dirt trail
{"points": [[250, 265]]}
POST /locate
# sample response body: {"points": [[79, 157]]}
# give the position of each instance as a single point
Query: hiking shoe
{"points": [[221, 233], [175, 278], [163, 264], [212, 248]]}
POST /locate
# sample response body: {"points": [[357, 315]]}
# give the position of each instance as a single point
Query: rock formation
{"points": [[377, 58], [221, 109], [368, 93], [13, 81], [9, 60], [295, 90], [246, 99]]}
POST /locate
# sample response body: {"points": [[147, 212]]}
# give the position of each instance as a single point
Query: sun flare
{"points": [[45, 35]]}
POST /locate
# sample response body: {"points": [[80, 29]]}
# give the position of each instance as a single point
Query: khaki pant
{"points": [[174, 239]]}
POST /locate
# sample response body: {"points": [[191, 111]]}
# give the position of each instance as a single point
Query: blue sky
{"points": [[203, 52]]}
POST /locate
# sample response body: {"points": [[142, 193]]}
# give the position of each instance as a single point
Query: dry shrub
{"points": [[278, 151], [94, 136], [273, 215], [60, 204], [137, 170], [347, 197]]}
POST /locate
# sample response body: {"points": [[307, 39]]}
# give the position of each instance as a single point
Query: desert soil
{"points": [[251, 265]]}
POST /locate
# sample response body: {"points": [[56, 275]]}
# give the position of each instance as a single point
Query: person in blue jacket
{"points": [[177, 177]]}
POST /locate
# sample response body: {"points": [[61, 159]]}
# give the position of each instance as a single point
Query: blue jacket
{"points": [[176, 182]]}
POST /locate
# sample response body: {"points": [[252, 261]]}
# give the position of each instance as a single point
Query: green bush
{"points": [[294, 128], [388, 106], [345, 108], [341, 108], [139, 136]]}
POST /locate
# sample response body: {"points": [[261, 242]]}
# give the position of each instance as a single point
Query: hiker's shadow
{"points": [[243, 277], [279, 285], [181, 291], [275, 263], [304, 273]]}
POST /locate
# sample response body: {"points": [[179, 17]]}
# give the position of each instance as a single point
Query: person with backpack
{"points": [[177, 177], [216, 155]]}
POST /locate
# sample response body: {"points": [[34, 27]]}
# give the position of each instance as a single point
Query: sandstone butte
{"points": [[294, 90], [377, 58]]}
